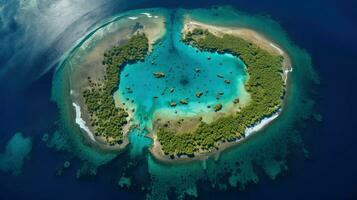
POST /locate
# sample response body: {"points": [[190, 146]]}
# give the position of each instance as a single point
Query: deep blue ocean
{"points": [[31, 44]]}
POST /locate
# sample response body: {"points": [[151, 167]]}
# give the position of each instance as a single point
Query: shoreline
{"points": [[245, 33], [81, 123], [158, 154], [98, 141], [261, 41], [155, 149], [89, 66]]}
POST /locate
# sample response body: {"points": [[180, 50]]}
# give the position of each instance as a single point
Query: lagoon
{"points": [[219, 77]]}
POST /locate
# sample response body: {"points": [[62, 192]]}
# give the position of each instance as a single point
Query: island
{"points": [[267, 67], [189, 111], [168, 98]]}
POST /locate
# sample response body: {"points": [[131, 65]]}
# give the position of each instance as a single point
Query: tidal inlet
{"points": [[172, 97]]}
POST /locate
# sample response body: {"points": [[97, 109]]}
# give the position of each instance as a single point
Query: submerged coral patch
{"points": [[16, 151]]}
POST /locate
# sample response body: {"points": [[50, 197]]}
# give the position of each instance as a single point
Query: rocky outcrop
{"points": [[236, 101], [159, 74], [173, 103], [218, 107], [184, 101], [227, 81], [199, 94]]}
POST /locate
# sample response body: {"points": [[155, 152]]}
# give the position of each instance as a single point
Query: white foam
{"points": [[277, 48], [81, 122], [156, 16], [286, 73], [258, 126], [288, 70], [133, 18], [147, 14]]}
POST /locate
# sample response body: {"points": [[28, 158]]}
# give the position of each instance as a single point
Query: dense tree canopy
{"points": [[107, 119]]}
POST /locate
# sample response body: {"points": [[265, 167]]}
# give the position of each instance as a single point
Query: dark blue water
{"points": [[326, 30]]}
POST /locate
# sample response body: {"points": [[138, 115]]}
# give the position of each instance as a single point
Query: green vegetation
{"points": [[265, 85], [107, 119], [218, 107]]}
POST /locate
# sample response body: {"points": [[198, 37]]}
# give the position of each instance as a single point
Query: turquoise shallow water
{"points": [[179, 63]]}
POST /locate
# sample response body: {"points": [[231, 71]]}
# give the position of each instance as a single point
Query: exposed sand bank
{"points": [[154, 26]]}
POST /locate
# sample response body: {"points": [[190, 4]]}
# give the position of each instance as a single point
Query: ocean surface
{"points": [[314, 160]]}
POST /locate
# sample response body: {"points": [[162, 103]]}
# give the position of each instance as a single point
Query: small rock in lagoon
{"points": [[220, 76], [159, 74], [199, 94], [184, 101], [227, 81], [218, 107], [173, 104]]}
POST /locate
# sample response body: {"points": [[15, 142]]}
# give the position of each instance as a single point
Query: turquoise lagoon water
{"points": [[179, 63], [149, 95], [268, 150]]}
